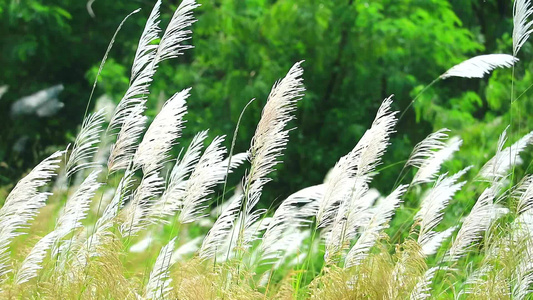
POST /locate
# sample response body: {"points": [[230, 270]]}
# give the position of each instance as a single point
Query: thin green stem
{"points": [[233, 140], [416, 97], [102, 63], [307, 260], [243, 204], [511, 126]]}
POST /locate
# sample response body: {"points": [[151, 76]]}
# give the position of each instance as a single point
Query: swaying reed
{"points": [[153, 235]]}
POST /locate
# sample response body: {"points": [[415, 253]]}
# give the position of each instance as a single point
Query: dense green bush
{"points": [[356, 52]]}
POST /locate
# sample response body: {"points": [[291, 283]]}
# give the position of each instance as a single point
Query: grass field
{"points": [[115, 216]]}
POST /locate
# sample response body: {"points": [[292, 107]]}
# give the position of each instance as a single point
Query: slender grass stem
{"points": [[303, 275], [243, 204], [102, 63], [416, 97]]}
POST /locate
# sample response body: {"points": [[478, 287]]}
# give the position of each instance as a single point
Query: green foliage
{"points": [[356, 52]]}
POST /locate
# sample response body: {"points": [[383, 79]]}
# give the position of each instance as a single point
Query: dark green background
{"points": [[356, 53]]}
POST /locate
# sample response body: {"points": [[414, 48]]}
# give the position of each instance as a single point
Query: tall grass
{"points": [[142, 224]]}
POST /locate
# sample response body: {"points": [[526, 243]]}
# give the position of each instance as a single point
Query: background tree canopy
{"points": [[356, 53]]}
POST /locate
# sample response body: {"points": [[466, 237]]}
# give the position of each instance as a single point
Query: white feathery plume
{"points": [[162, 134], [524, 195], [434, 203], [374, 142], [379, 221], [270, 138], [208, 172], [353, 212], [358, 210], [338, 184], [368, 153], [499, 210], [90, 247], [142, 71], [185, 166], [236, 160], [498, 166], [249, 228], [524, 222], [190, 195], [143, 244], [149, 56], [186, 249], [23, 203], [522, 226], [146, 48], [132, 102], [218, 234], [17, 218], [423, 287], [474, 279], [354, 208], [289, 216], [105, 221], [369, 198], [297, 237], [290, 250], [136, 213], [171, 44], [77, 205], [358, 164], [158, 286], [104, 149], [123, 150], [75, 209], [521, 235], [522, 10], [431, 166], [254, 224], [522, 277], [435, 239], [173, 195], [265, 278], [112, 209], [32, 263], [425, 150], [291, 254], [479, 66], [28, 186], [490, 169], [312, 207], [475, 224], [86, 143]]}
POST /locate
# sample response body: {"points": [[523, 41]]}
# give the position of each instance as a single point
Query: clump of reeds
{"points": [[140, 225]]}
